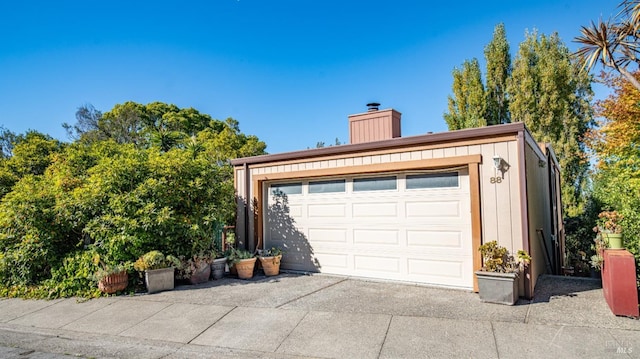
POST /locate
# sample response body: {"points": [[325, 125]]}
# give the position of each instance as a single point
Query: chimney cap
{"points": [[373, 106]]}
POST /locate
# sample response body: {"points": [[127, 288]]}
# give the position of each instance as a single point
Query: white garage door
{"points": [[406, 226]]}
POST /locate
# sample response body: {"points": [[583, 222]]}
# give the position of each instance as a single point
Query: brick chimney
{"points": [[374, 125]]}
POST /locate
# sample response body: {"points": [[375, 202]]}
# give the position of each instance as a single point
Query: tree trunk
{"points": [[629, 77]]}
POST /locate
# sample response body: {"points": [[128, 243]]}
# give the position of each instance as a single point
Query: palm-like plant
{"points": [[613, 43]]}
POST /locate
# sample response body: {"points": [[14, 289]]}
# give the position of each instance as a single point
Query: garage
{"points": [[410, 209], [406, 226]]}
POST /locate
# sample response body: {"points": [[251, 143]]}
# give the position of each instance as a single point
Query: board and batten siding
{"points": [[500, 202], [538, 209]]}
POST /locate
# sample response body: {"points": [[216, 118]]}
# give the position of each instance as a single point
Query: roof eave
{"points": [[449, 136]]}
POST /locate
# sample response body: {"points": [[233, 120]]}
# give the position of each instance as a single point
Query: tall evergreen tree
{"points": [[498, 58], [551, 94], [467, 107]]}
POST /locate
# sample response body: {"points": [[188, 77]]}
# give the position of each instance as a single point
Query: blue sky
{"points": [[289, 71]]}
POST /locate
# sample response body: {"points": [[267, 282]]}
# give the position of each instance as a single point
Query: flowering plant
{"points": [[496, 258], [609, 222]]}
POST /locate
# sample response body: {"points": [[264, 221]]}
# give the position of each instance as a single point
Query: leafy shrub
{"points": [[119, 192], [155, 260], [496, 258]]}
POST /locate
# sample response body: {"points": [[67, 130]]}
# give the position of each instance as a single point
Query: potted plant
{"points": [[270, 260], [218, 265], [243, 261], [158, 270], [609, 226], [196, 269], [112, 278], [597, 260], [497, 280]]}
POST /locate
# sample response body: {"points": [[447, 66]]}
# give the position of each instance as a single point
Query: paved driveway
{"points": [[325, 317]]}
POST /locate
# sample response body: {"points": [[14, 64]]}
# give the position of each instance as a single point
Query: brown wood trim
{"points": [[474, 142], [476, 219], [374, 168], [489, 132], [258, 219], [524, 210], [472, 161]]}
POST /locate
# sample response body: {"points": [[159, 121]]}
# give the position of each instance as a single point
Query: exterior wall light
{"points": [[500, 164], [497, 162]]}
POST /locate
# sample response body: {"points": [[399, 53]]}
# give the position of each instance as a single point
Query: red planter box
{"points": [[619, 282]]}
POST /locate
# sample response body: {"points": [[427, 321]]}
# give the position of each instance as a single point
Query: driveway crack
{"points": [[495, 340], [310, 293], [385, 336], [212, 324]]}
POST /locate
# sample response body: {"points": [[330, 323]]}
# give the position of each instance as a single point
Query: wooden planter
{"points": [[501, 288], [114, 282], [271, 265], [158, 280], [245, 268]]}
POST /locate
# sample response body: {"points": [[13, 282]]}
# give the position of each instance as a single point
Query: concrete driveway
{"points": [[300, 316]]}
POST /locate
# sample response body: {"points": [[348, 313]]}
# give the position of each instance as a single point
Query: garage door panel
{"points": [[327, 210], [376, 236], [380, 264], [335, 261], [375, 210], [430, 209], [295, 210], [298, 251], [435, 268], [323, 235], [433, 238]]}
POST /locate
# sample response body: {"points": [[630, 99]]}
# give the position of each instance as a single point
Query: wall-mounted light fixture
{"points": [[500, 164], [497, 162]]}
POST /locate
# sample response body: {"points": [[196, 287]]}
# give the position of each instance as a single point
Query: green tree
{"points": [[498, 58], [31, 154], [613, 43], [116, 193], [7, 138], [616, 145], [467, 106], [87, 119], [551, 94]]}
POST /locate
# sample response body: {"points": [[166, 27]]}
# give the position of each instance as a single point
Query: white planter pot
{"points": [[501, 288], [158, 280]]}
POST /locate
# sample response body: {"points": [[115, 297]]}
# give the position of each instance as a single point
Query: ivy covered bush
{"points": [[164, 186]]}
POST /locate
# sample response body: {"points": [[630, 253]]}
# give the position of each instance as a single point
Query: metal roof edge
{"points": [[447, 136]]}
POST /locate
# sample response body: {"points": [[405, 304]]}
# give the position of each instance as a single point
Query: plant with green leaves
{"points": [[235, 255], [496, 258], [155, 260], [613, 43], [271, 252], [498, 58], [467, 106], [191, 265]]}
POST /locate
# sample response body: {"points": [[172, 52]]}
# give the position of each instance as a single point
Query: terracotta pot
{"points": [[114, 282], [271, 265], [245, 268], [217, 268], [201, 274]]}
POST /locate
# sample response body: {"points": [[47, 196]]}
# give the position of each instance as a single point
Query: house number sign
{"points": [[495, 180]]}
